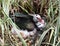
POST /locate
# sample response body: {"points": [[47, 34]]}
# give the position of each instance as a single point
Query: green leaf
{"points": [[43, 35], [5, 5]]}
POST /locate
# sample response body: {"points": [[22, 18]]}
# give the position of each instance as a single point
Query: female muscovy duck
{"points": [[30, 21], [28, 26]]}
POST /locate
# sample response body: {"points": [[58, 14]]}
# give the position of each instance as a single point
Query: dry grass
{"points": [[50, 9]]}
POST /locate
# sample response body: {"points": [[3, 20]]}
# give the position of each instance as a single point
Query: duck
{"points": [[25, 20]]}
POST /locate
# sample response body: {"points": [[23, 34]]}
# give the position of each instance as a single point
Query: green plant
{"points": [[49, 8], [6, 21]]}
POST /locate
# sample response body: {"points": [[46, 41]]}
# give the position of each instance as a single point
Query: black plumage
{"points": [[25, 21]]}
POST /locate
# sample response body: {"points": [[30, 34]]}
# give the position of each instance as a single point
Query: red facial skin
{"points": [[41, 20]]}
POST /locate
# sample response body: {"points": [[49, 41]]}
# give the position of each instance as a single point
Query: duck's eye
{"points": [[39, 24]]}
